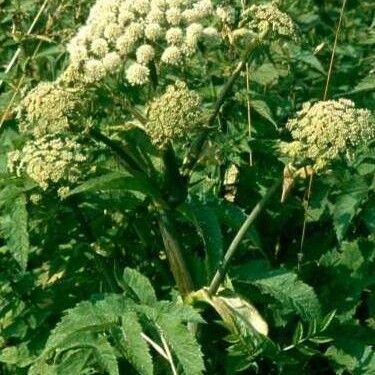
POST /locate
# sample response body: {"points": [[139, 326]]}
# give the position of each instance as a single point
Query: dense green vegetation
{"points": [[169, 203]]}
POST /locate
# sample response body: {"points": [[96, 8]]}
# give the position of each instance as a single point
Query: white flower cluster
{"points": [[268, 18], [226, 14], [47, 108], [136, 32], [49, 160], [326, 130], [175, 115]]}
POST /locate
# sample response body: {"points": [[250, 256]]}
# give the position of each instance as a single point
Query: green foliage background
{"points": [[66, 304]]}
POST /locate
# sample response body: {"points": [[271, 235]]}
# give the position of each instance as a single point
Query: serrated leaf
{"points": [[105, 354], [183, 344], [284, 287], [135, 347], [347, 204], [14, 227], [366, 84], [140, 286], [16, 355], [264, 110]]}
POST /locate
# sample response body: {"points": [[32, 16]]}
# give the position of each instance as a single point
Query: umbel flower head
{"points": [[175, 115], [327, 130], [135, 32], [50, 160], [47, 108], [268, 19]]}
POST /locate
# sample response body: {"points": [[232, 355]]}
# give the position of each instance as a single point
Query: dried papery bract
{"points": [[327, 130], [48, 108], [175, 115]]}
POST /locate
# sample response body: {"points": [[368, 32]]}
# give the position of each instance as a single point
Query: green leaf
{"points": [[140, 286], [298, 334], [347, 204], [265, 75], [348, 271], [116, 181], [208, 226], [310, 59], [283, 286], [14, 228], [16, 355], [135, 347], [87, 317], [234, 217], [183, 344], [367, 84], [353, 357], [264, 110], [105, 354]]}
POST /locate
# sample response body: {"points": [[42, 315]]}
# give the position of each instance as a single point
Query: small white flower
{"points": [[153, 31], [173, 16], [112, 31], [174, 36], [172, 55], [226, 14], [111, 61], [137, 74], [99, 47], [156, 15], [204, 7], [145, 54], [141, 6], [125, 16], [191, 15], [125, 44], [94, 70]]}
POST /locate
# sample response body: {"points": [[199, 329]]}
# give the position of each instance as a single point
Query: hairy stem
{"points": [[221, 272]]}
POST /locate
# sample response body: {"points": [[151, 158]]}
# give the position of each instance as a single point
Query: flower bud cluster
{"points": [[50, 160], [326, 130], [175, 115], [268, 18], [136, 32], [47, 109]]}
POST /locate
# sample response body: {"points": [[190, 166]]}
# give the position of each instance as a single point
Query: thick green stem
{"points": [[172, 246], [174, 253], [221, 272]]}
